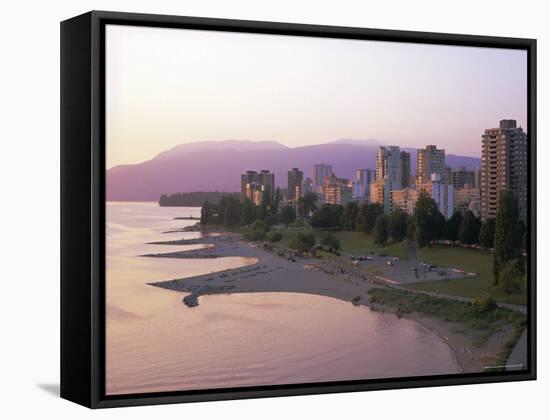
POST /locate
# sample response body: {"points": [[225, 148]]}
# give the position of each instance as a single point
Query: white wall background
{"points": [[29, 237]]}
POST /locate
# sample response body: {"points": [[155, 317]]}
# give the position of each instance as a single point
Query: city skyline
{"points": [[391, 165], [301, 91], [503, 168]]}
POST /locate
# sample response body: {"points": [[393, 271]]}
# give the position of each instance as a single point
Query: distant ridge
{"points": [[217, 165], [359, 142], [220, 145]]}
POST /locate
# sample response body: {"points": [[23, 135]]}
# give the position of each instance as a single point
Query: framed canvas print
{"points": [[254, 209]]}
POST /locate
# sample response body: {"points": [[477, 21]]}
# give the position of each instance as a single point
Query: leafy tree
{"points": [[231, 211], [452, 226], [381, 230], [484, 304], [276, 201], [366, 216], [511, 278], [307, 204], [487, 234], [331, 242], [275, 236], [303, 242], [397, 225], [249, 212], [411, 227], [258, 231], [350, 216], [266, 202], [299, 224], [507, 234], [328, 216], [439, 227], [260, 225], [221, 210], [469, 229], [336, 215], [207, 213], [426, 220], [288, 215], [270, 220]]}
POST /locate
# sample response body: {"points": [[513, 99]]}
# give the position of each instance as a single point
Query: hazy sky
{"points": [[171, 86]]}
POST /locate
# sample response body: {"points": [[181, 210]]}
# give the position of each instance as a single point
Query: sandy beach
{"points": [[270, 273], [278, 270]]}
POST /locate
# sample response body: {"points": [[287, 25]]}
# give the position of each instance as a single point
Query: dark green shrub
{"points": [[275, 236], [484, 304]]}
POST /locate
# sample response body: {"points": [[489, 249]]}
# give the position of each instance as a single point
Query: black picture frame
{"points": [[83, 206]]}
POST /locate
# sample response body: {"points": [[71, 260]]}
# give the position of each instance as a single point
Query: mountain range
{"points": [[217, 165]]}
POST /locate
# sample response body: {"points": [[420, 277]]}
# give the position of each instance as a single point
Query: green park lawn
{"points": [[361, 243], [351, 241], [472, 260]]}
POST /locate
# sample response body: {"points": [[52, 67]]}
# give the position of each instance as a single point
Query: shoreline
{"points": [[279, 271]]}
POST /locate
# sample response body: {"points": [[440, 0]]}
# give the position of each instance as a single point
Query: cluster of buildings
{"points": [[503, 167], [391, 184], [395, 187], [254, 184]]}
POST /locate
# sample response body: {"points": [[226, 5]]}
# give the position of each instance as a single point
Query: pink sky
{"points": [[171, 86]]}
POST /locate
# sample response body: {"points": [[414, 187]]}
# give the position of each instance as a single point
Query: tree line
{"points": [[232, 212], [425, 226], [506, 234], [510, 246]]}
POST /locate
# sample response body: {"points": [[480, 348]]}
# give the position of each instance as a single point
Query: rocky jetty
{"points": [[197, 227], [193, 241], [192, 299]]}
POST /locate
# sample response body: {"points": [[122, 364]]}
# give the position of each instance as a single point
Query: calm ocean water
{"points": [[156, 343]]}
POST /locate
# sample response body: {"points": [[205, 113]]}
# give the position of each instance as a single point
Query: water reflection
{"points": [[155, 343]]}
